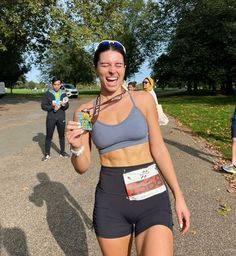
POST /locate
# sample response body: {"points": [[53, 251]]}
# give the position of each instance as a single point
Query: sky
{"points": [[34, 74]]}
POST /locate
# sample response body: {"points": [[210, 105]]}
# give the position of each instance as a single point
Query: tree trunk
{"points": [[229, 86], [189, 86]]}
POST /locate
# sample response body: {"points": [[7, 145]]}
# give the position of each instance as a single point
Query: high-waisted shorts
{"points": [[115, 215]]}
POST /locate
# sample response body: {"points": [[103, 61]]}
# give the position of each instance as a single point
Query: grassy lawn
{"points": [[207, 116], [27, 93]]}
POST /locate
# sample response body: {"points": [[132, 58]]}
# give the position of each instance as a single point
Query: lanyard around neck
{"points": [[98, 104], [57, 98]]}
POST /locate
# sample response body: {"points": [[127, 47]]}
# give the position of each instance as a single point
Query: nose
{"points": [[112, 69]]}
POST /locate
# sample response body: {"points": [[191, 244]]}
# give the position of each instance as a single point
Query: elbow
{"points": [[80, 168], [81, 171]]}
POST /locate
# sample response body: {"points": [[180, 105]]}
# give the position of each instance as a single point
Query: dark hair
{"points": [[133, 83], [105, 47], [54, 79]]}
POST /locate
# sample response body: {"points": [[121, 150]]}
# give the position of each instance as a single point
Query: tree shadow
{"points": [[66, 219], [40, 138], [14, 241], [225, 139], [192, 151]]}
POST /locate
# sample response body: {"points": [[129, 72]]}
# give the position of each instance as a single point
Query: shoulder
{"points": [[47, 94], [141, 97]]}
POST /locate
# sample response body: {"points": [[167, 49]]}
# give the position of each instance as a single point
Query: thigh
{"points": [[116, 246], [50, 126], [61, 127], [156, 241]]}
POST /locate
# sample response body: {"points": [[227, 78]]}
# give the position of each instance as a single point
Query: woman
{"points": [[131, 194], [148, 84]]}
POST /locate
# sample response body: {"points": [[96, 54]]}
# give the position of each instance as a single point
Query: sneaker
{"points": [[46, 157], [229, 168], [64, 155]]}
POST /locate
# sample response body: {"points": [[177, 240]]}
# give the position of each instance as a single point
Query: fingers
{"points": [[184, 221], [74, 132]]}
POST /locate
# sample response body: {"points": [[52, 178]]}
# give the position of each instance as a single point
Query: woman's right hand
{"points": [[73, 133]]}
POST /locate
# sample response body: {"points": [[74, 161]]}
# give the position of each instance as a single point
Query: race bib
{"points": [[143, 183]]}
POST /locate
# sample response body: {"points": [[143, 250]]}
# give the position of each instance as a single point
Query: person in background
{"points": [[131, 195], [232, 167], [55, 102], [148, 84], [132, 86]]}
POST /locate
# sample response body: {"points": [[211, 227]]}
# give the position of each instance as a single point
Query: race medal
{"points": [[65, 100], [143, 183], [84, 118]]}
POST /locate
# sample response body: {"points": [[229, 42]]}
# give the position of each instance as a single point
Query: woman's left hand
{"points": [[183, 215]]}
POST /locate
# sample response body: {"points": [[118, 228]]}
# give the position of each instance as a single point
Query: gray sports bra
{"points": [[131, 131]]}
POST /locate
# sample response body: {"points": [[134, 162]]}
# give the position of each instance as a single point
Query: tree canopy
{"points": [[203, 48]]}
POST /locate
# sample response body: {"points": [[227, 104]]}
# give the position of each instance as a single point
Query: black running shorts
{"points": [[116, 216]]}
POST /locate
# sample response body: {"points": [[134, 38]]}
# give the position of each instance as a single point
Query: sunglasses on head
{"points": [[109, 42]]}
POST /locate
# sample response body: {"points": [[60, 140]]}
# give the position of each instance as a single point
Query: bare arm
{"points": [[162, 158], [78, 137]]}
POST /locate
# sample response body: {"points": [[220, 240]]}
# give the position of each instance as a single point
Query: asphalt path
{"points": [[46, 207]]}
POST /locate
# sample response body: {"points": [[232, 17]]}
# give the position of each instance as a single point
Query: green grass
{"points": [[26, 93], [207, 116]]}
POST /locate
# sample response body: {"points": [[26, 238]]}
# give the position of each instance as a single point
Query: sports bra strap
{"points": [[131, 98]]}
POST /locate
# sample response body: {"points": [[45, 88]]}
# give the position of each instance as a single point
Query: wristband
{"points": [[77, 151]]}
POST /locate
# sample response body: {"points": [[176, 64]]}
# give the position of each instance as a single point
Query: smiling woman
{"points": [[131, 195]]}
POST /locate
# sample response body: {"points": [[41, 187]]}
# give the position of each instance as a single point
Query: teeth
{"points": [[112, 78]]}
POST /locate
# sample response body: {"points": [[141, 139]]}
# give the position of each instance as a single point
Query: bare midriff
{"points": [[129, 156]]}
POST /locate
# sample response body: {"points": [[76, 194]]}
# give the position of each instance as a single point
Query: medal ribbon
{"points": [[98, 104], [57, 97]]}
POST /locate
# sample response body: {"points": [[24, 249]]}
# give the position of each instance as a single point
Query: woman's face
{"points": [[111, 70], [145, 83]]}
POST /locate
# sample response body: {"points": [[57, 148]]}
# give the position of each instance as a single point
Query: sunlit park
{"points": [[187, 46]]}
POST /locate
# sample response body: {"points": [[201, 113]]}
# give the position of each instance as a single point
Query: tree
{"points": [[202, 50], [71, 64], [22, 29]]}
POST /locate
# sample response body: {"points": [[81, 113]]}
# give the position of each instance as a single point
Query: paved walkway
{"points": [[46, 208]]}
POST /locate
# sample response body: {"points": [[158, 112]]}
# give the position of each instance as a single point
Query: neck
{"points": [[105, 95]]}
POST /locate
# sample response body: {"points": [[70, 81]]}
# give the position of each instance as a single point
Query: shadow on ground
{"points": [[66, 219], [14, 241], [40, 138], [192, 151]]}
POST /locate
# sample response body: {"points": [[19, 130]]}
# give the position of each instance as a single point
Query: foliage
{"points": [[71, 64], [202, 50], [24, 25]]}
